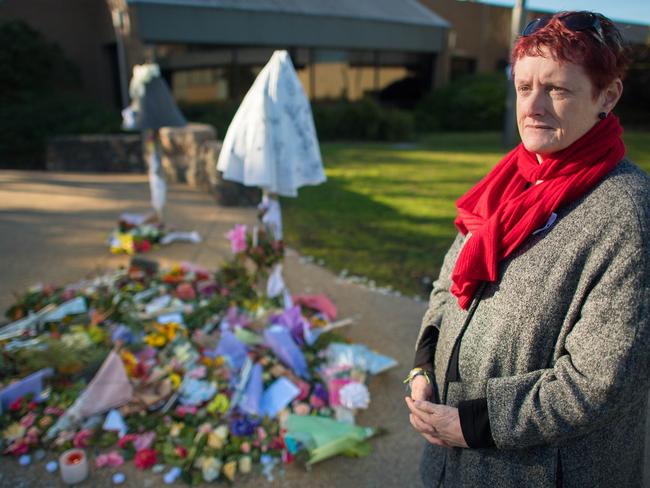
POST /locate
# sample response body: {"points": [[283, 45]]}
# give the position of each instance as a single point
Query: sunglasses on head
{"points": [[575, 21]]}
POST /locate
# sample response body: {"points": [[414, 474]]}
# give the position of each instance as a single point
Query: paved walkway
{"points": [[53, 228]]}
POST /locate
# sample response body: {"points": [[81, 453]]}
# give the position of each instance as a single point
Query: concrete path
{"points": [[53, 228]]}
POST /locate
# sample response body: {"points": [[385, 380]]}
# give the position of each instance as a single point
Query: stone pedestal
{"points": [[101, 153], [180, 153]]}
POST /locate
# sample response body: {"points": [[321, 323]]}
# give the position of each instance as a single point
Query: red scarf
{"points": [[500, 212]]}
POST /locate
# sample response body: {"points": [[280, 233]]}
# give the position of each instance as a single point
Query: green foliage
{"points": [[39, 94], [475, 102], [218, 114], [29, 65], [364, 120]]}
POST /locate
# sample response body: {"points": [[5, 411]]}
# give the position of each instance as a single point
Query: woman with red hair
{"points": [[532, 365]]}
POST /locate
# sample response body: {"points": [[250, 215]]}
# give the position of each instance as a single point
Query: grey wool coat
{"points": [[559, 346]]}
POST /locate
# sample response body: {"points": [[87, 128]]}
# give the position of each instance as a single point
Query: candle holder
{"points": [[73, 464]]}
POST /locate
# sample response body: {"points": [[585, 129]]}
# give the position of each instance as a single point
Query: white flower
{"points": [[354, 395], [210, 468], [142, 74]]}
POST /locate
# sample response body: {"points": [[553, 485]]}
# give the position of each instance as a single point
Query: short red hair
{"points": [[602, 62]]}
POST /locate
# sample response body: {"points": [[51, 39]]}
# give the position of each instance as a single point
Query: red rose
{"points": [[32, 405], [16, 404], [124, 441], [144, 458], [145, 246], [181, 452]]}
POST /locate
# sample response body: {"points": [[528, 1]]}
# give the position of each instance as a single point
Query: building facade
{"points": [[212, 50]]}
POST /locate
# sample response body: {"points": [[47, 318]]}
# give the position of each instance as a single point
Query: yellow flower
{"points": [[229, 470], [129, 360], [176, 380], [124, 244], [245, 464], [206, 361], [219, 403], [155, 340], [96, 334], [214, 440], [176, 429], [13, 432], [219, 361]]}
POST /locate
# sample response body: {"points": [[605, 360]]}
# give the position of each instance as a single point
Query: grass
{"points": [[386, 211]]}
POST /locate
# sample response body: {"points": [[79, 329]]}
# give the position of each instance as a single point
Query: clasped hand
{"points": [[438, 424]]}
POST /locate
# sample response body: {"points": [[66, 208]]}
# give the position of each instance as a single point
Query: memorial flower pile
{"points": [[189, 373]]}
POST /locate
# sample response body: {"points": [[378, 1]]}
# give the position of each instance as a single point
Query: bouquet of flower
{"points": [[258, 246]]}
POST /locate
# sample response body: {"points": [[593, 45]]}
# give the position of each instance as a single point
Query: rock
{"points": [[180, 152]]}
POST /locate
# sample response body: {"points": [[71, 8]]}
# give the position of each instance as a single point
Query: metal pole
{"points": [[516, 26], [121, 57]]}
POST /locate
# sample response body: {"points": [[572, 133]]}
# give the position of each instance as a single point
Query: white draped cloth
{"points": [[271, 142]]}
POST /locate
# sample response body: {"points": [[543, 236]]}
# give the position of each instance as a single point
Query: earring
{"points": [[602, 115]]}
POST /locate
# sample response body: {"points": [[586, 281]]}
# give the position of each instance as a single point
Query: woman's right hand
{"points": [[421, 389]]}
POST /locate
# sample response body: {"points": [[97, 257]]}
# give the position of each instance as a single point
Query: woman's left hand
{"points": [[438, 424]]}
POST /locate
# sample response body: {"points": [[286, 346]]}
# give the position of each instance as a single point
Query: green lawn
{"points": [[386, 212]]}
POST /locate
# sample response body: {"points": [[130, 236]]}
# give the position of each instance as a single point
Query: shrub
{"points": [[39, 96], [361, 120], [364, 120], [475, 102]]}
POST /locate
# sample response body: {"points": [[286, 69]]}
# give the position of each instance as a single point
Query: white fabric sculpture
{"points": [[271, 142]]}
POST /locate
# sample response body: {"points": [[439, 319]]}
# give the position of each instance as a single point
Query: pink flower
{"points": [[54, 411], [18, 448], [245, 447], [237, 238], [198, 373], [185, 291], [31, 437], [304, 389], [316, 401], [183, 410], [144, 441], [301, 408], [28, 420], [112, 459], [82, 438], [144, 458]]}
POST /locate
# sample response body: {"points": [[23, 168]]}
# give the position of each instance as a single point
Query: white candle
{"points": [[74, 466]]}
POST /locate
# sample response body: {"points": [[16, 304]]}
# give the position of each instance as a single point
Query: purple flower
{"points": [[293, 320], [122, 333], [320, 392], [243, 426], [233, 318], [237, 238]]}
